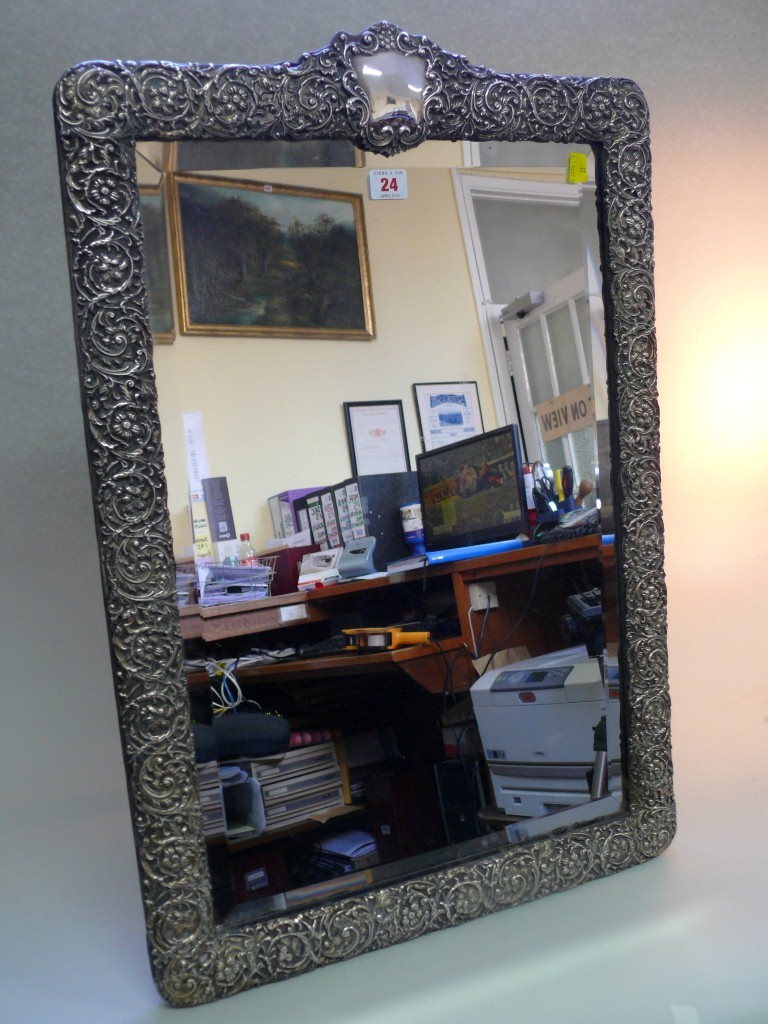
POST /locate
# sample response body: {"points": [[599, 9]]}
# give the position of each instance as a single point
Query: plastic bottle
{"points": [[531, 508], [247, 554]]}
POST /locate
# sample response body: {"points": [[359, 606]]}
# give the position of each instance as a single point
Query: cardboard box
{"points": [[287, 561]]}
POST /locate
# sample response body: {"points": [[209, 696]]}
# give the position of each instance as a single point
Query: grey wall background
{"points": [[72, 926]]}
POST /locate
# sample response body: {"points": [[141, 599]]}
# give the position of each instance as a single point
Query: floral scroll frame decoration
{"points": [[102, 109]]}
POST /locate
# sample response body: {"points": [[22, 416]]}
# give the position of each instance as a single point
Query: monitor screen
{"points": [[473, 492]]}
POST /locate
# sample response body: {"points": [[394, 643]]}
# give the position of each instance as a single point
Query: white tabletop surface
{"points": [[682, 939]]}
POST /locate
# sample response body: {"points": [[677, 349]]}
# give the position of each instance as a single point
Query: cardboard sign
{"points": [[561, 415]]}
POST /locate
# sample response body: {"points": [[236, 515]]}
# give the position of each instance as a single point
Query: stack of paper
{"points": [[345, 852], [225, 584]]}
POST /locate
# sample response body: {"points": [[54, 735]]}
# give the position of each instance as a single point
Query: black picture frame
{"points": [[386, 447], [463, 392]]}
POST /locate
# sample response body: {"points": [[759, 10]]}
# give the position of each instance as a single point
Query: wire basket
{"points": [[227, 584]]}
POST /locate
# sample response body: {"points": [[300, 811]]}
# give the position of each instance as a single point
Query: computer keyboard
{"points": [[331, 645]]}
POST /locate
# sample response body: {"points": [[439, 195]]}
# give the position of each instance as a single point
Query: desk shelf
{"points": [[426, 663], [221, 621], [246, 842], [416, 661]]}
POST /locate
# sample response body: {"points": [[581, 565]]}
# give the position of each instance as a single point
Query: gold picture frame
{"points": [[269, 260], [199, 157]]}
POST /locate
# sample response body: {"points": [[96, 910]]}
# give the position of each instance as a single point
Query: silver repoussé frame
{"points": [[102, 109]]}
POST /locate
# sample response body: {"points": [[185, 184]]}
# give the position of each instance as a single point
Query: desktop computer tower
{"points": [[405, 813], [462, 790]]}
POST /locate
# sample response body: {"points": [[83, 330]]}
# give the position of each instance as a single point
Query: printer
{"points": [[537, 721]]}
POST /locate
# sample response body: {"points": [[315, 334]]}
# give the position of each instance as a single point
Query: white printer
{"points": [[537, 721]]}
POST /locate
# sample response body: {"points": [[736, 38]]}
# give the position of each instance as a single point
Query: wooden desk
{"points": [[526, 580]]}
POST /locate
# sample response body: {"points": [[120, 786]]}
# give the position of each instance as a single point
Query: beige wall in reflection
{"points": [[272, 407]]}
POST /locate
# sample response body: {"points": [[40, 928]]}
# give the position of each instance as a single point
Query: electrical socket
{"points": [[483, 596]]}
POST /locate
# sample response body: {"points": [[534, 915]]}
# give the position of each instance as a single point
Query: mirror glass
{"points": [[482, 265]]}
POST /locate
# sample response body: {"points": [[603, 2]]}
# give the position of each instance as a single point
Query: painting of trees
{"points": [[259, 259]]}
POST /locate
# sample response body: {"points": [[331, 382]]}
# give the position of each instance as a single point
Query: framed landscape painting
{"points": [[254, 258]]}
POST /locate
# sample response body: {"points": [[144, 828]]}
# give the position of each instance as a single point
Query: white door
{"points": [[540, 227]]}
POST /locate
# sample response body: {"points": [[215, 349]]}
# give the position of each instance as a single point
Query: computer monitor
{"points": [[472, 492]]}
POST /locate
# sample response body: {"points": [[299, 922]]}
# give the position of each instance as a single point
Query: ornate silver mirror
{"points": [[387, 93]]}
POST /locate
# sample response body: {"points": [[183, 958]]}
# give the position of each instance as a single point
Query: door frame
{"points": [[467, 187]]}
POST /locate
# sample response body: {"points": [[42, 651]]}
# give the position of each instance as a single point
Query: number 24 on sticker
{"points": [[388, 184]]}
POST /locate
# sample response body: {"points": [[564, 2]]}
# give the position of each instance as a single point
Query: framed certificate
{"points": [[447, 412], [376, 437]]}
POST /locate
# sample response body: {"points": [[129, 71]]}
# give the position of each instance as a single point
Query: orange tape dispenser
{"points": [[373, 640]]}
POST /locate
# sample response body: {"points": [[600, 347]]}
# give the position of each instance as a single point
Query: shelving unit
{"points": [[410, 660]]}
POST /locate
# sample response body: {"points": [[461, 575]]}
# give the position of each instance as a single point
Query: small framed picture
{"points": [[447, 412], [376, 437]]}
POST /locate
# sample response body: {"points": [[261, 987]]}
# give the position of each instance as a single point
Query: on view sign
{"points": [[561, 415]]}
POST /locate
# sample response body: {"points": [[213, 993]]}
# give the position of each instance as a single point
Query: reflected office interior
{"points": [[382, 778]]}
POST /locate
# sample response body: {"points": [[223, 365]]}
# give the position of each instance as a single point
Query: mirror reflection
{"points": [[416, 711]]}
